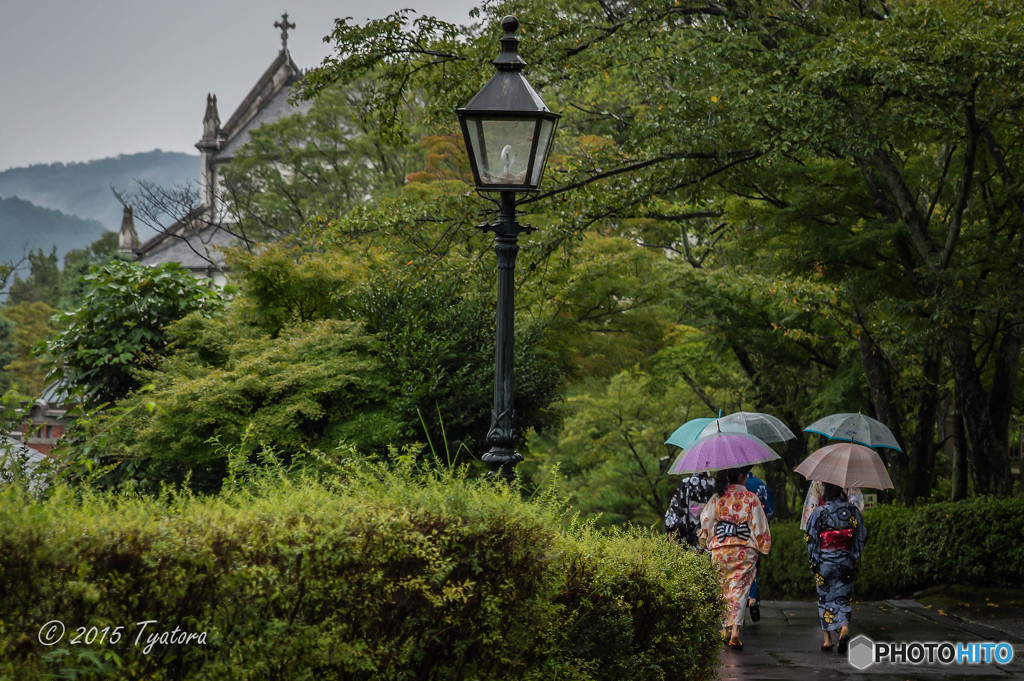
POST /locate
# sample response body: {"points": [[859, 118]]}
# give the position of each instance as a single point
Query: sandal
{"points": [[844, 644], [736, 645], [826, 648]]}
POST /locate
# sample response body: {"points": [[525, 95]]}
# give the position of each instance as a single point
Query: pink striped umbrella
{"points": [[846, 464]]}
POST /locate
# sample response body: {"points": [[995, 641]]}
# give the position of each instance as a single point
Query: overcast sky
{"points": [[88, 79]]}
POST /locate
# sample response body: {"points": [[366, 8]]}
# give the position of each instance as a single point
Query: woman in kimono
{"points": [[681, 518], [734, 528], [814, 499], [835, 537]]}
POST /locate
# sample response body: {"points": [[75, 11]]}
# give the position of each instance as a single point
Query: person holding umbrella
{"points": [[734, 528], [835, 536], [836, 533]]}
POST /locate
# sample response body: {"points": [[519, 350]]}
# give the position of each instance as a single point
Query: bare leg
{"points": [[844, 640]]}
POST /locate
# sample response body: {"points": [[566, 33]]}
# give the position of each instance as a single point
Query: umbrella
{"points": [[686, 435], [846, 464], [764, 427], [723, 450], [855, 428]]}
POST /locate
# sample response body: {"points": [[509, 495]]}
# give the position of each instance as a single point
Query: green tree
{"points": [[76, 265], [864, 147], [32, 324], [43, 283], [324, 160], [6, 351], [119, 328]]}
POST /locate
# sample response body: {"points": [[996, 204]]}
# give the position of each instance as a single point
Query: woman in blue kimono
{"points": [[835, 537]]}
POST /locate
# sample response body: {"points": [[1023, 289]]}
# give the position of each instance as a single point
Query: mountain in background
{"points": [[83, 190], [25, 227]]}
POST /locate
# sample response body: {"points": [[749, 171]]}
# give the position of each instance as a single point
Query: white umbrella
{"points": [[764, 427]]}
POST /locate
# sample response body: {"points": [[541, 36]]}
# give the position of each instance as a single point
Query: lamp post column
{"points": [[502, 456]]}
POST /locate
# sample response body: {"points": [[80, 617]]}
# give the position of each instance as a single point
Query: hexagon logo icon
{"points": [[862, 652]]}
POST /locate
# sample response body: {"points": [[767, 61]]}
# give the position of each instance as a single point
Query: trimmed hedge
{"points": [[975, 541], [381, 575]]}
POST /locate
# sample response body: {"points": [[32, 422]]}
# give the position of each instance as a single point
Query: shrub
{"points": [[911, 548], [376, 575]]}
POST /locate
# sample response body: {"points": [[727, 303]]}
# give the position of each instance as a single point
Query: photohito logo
{"points": [[864, 652]]}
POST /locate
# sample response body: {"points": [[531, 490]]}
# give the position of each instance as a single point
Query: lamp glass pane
{"points": [[476, 143], [504, 155], [547, 130]]}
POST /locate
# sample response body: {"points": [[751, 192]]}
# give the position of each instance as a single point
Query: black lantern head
{"points": [[507, 127]]}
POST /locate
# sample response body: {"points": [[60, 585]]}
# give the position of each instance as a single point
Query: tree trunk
{"points": [[880, 387], [960, 465], [921, 453], [986, 449], [1004, 385]]}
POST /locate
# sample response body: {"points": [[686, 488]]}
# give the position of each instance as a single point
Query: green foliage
{"points": [[43, 282], [319, 348], [7, 349], [325, 160], [976, 541], [370, 575], [436, 333], [120, 325], [31, 324], [784, 572], [76, 266], [316, 384], [610, 447]]}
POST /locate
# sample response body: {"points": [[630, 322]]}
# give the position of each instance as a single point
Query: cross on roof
{"points": [[284, 26]]}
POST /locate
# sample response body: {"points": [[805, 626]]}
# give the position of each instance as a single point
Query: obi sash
{"points": [[836, 540], [723, 529]]}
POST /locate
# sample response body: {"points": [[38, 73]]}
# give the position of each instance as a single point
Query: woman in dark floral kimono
{"points": [[682, 517], [835, 537]]}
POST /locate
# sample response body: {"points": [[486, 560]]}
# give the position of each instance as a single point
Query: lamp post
{"points": [[508, 131]]}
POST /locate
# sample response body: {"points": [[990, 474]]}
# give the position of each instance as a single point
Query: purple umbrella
{"points": [[723, 450]]}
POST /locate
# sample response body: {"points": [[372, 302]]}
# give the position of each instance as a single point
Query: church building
{"points": [[196, 241]]}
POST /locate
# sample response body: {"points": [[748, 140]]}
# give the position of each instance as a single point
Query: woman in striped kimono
{"points": [[835, 537], [734, 528]]}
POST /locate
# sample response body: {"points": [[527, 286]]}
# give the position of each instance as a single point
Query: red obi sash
{"points": [[836, 540]]}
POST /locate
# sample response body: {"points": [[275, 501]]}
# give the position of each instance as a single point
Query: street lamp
{"points": [[508, 131]]}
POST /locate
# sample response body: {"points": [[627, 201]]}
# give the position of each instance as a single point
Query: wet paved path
{"points": [[785, 645]]}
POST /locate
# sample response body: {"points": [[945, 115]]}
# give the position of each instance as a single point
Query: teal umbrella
{"points": [[687, 434]]}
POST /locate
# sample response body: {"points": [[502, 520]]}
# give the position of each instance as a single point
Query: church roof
{"points": [[193, 249], [267, 101], [274, 108]]}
